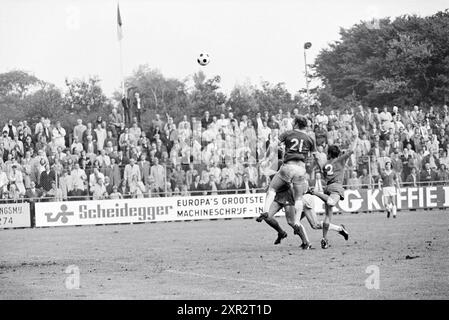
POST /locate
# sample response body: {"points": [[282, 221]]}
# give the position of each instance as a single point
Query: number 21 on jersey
{"points": [[295, 144]]}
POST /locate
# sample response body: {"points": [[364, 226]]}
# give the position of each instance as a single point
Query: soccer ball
{"points": [[203, 59]]}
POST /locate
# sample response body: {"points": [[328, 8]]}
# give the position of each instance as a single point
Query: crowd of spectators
{"points": [[113, 158]]}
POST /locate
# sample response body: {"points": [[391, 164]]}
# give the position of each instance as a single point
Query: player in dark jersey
{"points": [[390, 182], [284, 199], [333, 172], [298, 146]]}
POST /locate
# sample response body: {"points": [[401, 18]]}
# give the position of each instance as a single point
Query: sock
{"points": [[272, 222], [269, 200], [301, 232], [394, 211], [325, 229], [299, 206]]}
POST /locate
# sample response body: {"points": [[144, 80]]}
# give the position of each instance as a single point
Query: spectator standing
{"points": [[16, 177], [78, 130], [206, 120], [211, 186], [157, 122], [366, 180], [101, 136], [115, 120], [126, 105], [412, 179], [443, 174], [108, 185], [428, 176], [135, 131], [196, 188], [321, 134], [322, 118], [138, 106], [99, 190], [354, 182], [10, 129], [444, 159], [247, 186], [58, 134], [79, 179], [115, 194], [144, 167], [76, 146], [361, 118], [132, 171], [66, 184], [158, 173], [32, 194], [191, 174], [46, 177]]}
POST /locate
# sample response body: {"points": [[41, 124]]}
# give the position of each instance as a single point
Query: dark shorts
{"points": [[285, 198], [335, 188]]}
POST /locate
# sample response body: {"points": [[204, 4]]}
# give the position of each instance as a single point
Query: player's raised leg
{"points": [[310, 213], [275, 185]]}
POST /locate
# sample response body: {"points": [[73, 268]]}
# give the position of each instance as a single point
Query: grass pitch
{"points": [[230, 259]]}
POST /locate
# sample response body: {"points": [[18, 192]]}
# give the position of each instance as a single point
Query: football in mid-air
{"points": [[203, 59]]}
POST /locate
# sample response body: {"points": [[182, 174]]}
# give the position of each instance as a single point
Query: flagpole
{"points": [[120, 38], [121, 68]]}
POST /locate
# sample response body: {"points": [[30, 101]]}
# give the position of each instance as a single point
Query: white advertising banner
{"points": [[15, 215], [71, 213], [216, 207]]}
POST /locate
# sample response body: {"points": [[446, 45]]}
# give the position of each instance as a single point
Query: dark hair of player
{"points": [[333, 151], [300, 122]]}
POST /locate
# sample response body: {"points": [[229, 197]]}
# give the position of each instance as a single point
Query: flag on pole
{"points": [[119, 24]]}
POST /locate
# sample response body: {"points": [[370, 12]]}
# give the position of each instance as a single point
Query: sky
{"points": [[248, 41]]}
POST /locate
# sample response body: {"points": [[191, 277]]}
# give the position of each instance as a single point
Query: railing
{"points": [[200, 192]]}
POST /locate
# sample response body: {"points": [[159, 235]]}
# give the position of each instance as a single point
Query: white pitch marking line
{"points": [[230, 279]]}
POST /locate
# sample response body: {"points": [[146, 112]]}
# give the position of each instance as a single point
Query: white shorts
{"points": [[389, 191], [293, 172], [308, 201]]}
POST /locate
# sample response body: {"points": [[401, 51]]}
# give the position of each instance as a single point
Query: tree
{"points": [[402, 62], [160, 94], [46, 102], [272, 97], [18, 83], [242, 100], [85, 96], [15, 87], [205, 94]]}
